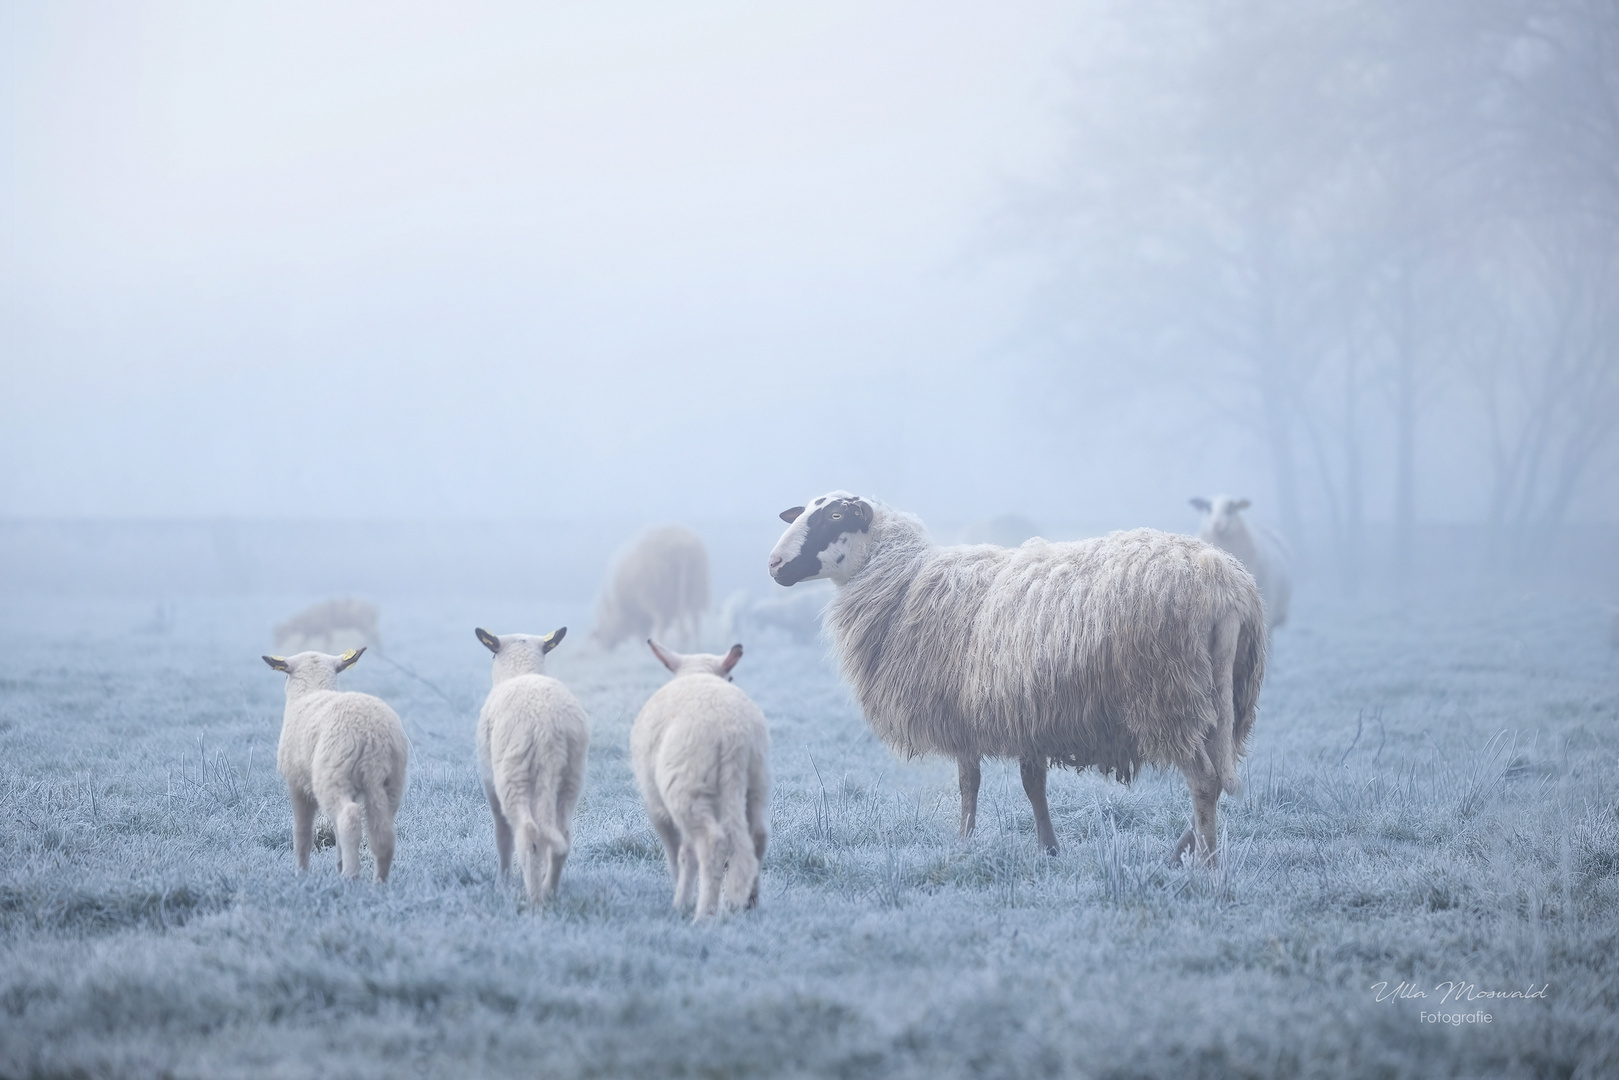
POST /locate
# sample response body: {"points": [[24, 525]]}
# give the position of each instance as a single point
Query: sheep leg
{"points": [[758, 826], [685, 874], [503, 831], [303, 827], [379, 829], [1200, 840], [713, 849], [346, 823], [664, 826], [554, 877], [1033, 771], [968, 773], [742, 872], [564, 826]]}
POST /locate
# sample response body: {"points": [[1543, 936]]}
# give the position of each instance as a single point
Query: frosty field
{"points": [[1430, 805]]}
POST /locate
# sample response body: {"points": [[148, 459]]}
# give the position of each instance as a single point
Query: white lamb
{"points": [[339, 749], [700, 752], [1262, 551], [532, 737]]}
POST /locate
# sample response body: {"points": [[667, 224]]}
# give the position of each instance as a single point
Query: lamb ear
{"points": [[277, 662], [1241, 504], [1200, 503], [790, 515], [553, 639], [347, 660], [490, 641], [730, 659], [668, 659]]}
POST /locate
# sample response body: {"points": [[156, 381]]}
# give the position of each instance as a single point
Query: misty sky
{"points": [[488, 261], [646, 262]]}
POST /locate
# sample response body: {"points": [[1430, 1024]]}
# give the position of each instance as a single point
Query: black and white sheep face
{"points": [[1222, 515], [829, 538], [520, 654], [307, 671]]}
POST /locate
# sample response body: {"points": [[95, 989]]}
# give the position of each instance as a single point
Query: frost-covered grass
{"points": [[1431, 797]]}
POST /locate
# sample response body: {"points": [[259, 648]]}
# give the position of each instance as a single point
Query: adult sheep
{"points": [[660, 589], [1138, 648], [333, 626], [1262, 552], [337, 750]]}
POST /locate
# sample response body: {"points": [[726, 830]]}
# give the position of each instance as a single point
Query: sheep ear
{"points": [[277, 662], [790, 515], [668, 659], [730, 659], [346, 661], [554, 638], [490, 641], [1200, 503], [1241, 504]]}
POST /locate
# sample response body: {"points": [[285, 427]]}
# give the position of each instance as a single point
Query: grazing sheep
{"points": [[699, 748], [1003, 530], [1261, 551], [795, 617], [532, 736], [339, 749], [1137, 648], [331, 627], [660, 587]]}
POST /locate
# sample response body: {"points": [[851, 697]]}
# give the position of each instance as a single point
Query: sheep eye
{"points": [[837, 517]]}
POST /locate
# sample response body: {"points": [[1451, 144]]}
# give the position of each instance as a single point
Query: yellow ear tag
{"points": [[549, 637]]}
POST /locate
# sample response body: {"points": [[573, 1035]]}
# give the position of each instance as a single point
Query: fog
{"points": [[622, 262]]}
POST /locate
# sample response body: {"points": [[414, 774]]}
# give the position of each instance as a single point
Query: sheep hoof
{"points": [[1051, 849]]}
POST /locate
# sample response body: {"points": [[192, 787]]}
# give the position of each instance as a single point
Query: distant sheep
{"points": [[660, 588], [532, 737], [1261, 551], [1003, 530], [1138, 648], [330, 627], [795, 617], [701, 756], [339, 749]]}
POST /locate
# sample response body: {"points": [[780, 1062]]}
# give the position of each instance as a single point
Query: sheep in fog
{"points": [[1005, 530], [339, 749], [532, 737], [1137, 648], [796, 617], [660, 587], [700, 752], [1261, 551], [331, 627]]}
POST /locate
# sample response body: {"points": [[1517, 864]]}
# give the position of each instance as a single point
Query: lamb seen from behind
{"points": [[339, 749], [701, 751], [1137, 648], [532, 738]]}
